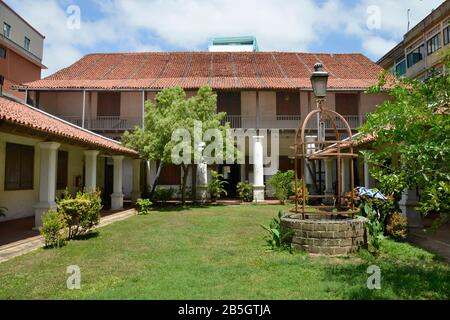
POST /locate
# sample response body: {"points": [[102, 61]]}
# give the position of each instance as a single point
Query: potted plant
{"points": [[216, 186]]}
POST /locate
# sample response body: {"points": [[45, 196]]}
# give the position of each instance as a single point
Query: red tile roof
{"points": [[220, 70], [41, 123]]}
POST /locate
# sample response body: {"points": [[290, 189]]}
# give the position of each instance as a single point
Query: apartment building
{"points": [[21, 49], [105, 93], [419, 55]]}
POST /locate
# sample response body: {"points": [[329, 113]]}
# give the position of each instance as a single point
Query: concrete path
{"points": [[438, 243], [21, 247]]}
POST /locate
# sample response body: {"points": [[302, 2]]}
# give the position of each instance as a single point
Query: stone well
{"points": [[325, 234]]}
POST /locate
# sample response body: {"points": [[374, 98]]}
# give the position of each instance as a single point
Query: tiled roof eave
{"points": [[28, 119]]}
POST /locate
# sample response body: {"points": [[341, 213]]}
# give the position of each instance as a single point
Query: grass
{"points": [[214, 252]]}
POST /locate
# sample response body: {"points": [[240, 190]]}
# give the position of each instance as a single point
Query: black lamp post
{"points": [[319, 81]]}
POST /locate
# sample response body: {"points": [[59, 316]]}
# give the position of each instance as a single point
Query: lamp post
{"points": [[319, 81]]}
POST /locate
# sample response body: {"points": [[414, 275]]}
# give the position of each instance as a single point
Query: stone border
{"points": [[325, 234]]}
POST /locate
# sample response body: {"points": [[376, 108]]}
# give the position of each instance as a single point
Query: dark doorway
{"points": [[109, 182], [232, 175]]}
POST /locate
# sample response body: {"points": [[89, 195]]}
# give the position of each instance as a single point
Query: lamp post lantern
{"points": [[319, 81]]}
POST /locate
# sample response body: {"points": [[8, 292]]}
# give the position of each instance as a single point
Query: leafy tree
{"points": [[412, 131], [159, 122], [172, 111]]}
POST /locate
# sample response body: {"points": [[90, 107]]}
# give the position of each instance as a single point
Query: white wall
{"points": [[20, 29]]}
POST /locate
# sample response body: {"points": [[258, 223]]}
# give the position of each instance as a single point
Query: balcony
{"points": [[105, 123], [290, 122]]}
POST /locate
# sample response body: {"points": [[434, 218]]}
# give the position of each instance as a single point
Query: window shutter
{"points": [[19, 167], [12, 167], [288, 103], [62, 171], [26, 167]]}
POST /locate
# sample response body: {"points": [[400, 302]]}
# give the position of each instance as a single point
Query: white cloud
{"points": [[142, 25], [378, 46]]}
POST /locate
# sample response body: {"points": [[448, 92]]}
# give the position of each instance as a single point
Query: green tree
{"points": [[412, 131], [172, 111]]}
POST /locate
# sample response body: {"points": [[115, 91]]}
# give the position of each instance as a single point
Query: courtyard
{"points": [[215, 252]]}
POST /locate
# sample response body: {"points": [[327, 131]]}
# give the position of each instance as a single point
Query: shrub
{"points": [[436, 198], [54, 228], [143, 206], [396, 226], [163, 195], [245, 191], [375, 229], [276, 239], [375, 206], [82, 212], [216, 186], [283, 183]]}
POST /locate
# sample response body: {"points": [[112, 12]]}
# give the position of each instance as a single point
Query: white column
{"points": [[345, 175], [117, 196], [258, 169], [47, 180], [143, 108], [136, 192], [408, 204], [308, 177], [368, 180], [83, 115], [91, 169], [202, 176], [329, 176]]}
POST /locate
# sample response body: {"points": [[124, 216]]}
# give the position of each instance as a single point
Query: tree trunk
{"points": [[155, 181], [194, 183], [185, 169]]}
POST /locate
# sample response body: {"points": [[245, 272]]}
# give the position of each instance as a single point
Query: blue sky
{"points": [[371, 27]]}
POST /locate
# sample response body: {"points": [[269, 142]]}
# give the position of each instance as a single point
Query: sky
{"points": [[74, 28]]}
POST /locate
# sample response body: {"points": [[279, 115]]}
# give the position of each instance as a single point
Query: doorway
{"points": [[232, 175], [109, 182]]}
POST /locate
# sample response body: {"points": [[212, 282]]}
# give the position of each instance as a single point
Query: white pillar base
{"points": [[258, 194], [41, 209], [117, 201], [408, 204], [202, 193]]}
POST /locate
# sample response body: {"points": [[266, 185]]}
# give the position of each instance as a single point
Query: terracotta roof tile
{"points": [[40, 122], [221, 70]]}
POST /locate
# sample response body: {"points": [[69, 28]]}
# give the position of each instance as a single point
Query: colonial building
{"points": [[42, 155], [420, 52], [105, 93], [21, 48]]}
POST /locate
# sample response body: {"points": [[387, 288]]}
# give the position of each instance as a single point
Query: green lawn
{"points": [[214, 253]]}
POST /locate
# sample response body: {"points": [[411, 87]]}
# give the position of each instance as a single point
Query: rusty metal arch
{"points": [[337, 144]]}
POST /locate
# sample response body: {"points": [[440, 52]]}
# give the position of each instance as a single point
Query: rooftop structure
{"points": [[234, 44]]}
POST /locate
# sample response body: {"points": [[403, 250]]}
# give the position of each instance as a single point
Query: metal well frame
{"points": [[322, 149]]}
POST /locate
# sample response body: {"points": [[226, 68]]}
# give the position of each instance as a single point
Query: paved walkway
{"points": [[33, 242], [438, 242]]}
